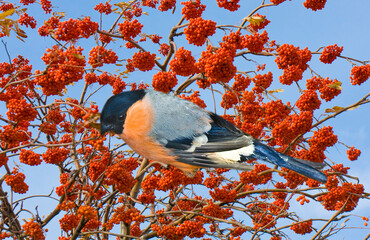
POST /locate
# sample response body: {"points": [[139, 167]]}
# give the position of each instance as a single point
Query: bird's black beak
{"points": [[103, 129]]}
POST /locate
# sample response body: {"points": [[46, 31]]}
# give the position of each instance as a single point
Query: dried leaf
{"points": [[276, 90], [336, 85], [7, 13], [255, 20], [334, 109]]}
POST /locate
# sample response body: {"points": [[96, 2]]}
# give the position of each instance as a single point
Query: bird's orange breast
{"points": [[136, 129]]}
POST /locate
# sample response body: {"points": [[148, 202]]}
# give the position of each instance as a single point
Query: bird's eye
{"points": [[121, 117]]}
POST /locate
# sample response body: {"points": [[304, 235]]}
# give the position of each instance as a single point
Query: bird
{"points": [[173, 131]]}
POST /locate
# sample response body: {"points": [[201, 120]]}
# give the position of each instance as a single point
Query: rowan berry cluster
{"points": [[46, 6], [99, 55], [328, 88], [55, 155], [6, 6], [72, 29], [277, 2], [87, 212], [3, 159], [69, 221], [229, 5], [292, 126], [130, 29], [302, 227], [223, 194], [192, 229], [33, 230], [20, 110], [27, 20], [254, 27], [255, 43], [195, 98], [229, 99], [330, 53], [164, 81], [192, 9], [353, 153], [262, 82], [346, 196], [105, 8], [13, 136], [183, 63], [66, 67], [308, 101], [164, 49], [16, 181], [213, 210], [255, 177], [314, 4], [126, 215], [119, 176], [144, 61], [217, 66], [359, 74], [166, 5], [29, 157], [198, 30]]}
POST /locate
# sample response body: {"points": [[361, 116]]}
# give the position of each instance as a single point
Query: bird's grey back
{"points": [[176, 118]]}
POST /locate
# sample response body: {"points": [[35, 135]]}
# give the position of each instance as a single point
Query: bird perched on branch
{"points": [[177, 132]]}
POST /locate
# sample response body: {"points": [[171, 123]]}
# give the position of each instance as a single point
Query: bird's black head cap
{"points": [[113, 115]]}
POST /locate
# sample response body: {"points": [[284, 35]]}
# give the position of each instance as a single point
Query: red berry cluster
{"points": [[72, 29], [277, 2], [130, 29], [164, 81], [20, 110], [229, 99], [166, 5], [16, 181], [29, 157], [55, 155], [346, 196], [99, 55], [144, 61], [119, 176], [359, 74], [27, 20], [308, 101], [198, 30], [105, 8], [330, 53], [66, 67], [33, 230], [231, 5], [195, 98], [254, 27], [314, 4], [69, 221], [293, 61], [262, 82], [183, 63], [353, 153], [217, 66], [302, 227], [192, 9], [255, 43]]}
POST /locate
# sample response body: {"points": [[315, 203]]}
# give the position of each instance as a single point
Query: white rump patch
{"points": [[232, 155]]}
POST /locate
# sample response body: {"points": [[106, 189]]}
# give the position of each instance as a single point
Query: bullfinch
{"points": [[177, 132]]}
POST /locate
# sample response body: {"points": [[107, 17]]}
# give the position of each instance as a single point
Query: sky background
{"points": [[342, 22]]}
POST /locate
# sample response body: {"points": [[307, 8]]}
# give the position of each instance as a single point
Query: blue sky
{"points": [[341, 22]]}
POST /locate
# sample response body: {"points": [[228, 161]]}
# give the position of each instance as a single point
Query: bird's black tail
{"points": [[306, 168]]}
